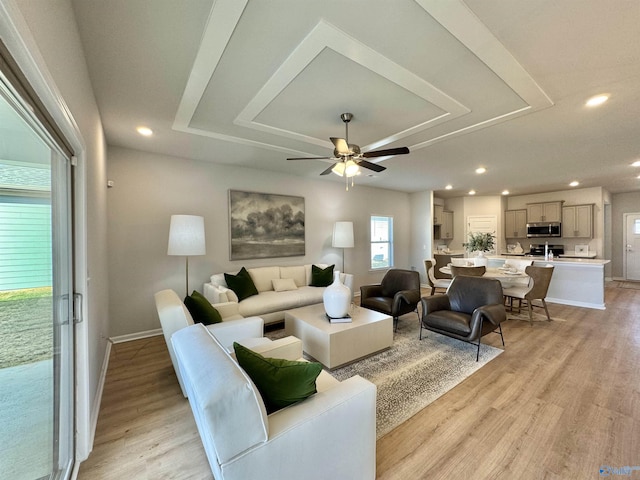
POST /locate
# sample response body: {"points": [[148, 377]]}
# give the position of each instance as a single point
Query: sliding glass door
{"points": [[36, 298]]}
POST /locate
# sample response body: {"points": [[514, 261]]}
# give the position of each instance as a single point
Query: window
{"points": [[636, 227], [381, 242]]}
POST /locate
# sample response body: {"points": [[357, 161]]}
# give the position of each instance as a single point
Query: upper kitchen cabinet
{"points": [[437, 214], [544, 212], [446, 229], [515, 224], [577, 221]]}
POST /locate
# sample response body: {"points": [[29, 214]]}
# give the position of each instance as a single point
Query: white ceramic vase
{"points": [[337, 298], [481, 260]]}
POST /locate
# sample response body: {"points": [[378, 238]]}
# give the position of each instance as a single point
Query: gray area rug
{"points": [[413, 373]]}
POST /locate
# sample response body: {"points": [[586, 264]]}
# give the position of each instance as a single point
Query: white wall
{"points": [[51, 25], [149, 188], [421, 231]]}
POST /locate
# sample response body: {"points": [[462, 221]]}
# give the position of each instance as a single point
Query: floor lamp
{"points": [[342, 237], [186, 237]]}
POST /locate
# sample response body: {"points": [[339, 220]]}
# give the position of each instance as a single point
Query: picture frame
{"points": [[265, 225]]}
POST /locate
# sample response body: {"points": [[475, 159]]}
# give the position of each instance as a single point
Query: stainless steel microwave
{"points": [[544, 229]]}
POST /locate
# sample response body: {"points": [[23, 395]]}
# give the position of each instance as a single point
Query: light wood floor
{"points": [[561, 401]]}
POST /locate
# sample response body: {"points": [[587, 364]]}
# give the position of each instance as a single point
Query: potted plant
{"points": [[480, 242]]}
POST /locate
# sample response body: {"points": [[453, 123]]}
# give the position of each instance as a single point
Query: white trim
{"points": [[98, 400], [136, 336], [596, 306]]}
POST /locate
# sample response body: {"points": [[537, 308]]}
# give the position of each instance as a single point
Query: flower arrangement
{"points": [[482, 242]]}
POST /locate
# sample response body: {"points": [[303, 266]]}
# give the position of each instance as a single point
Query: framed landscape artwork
{"points": [[265, 225]]}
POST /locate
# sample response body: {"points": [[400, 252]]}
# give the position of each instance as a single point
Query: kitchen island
{"points": [[575, 281]]}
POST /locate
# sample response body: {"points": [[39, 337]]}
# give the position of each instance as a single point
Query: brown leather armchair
{"points": [[471, 308], [397, 294]]}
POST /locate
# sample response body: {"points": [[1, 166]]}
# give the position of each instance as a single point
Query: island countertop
{"points": [[575, 281], [581, 261]]}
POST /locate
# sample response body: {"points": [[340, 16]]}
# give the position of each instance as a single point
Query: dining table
{"points": [[508, 277]]}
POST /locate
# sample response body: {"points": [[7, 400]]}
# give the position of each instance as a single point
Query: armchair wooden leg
{"points": [[530, 312]]}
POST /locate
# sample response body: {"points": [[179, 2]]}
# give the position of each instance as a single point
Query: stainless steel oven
{"points": [[544, 229]]}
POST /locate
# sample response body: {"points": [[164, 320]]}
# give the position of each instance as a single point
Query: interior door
{"points": [[632, 247]]}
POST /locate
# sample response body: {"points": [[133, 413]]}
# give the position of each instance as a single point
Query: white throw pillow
{"points": [[284, 284]]}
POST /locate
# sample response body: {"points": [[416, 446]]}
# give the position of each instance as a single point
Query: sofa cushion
{"points": [[283, 284], [269, 302], [297, 273], [241, 283], [201, 310], [321, 277], [280, 382], [262, 277]]}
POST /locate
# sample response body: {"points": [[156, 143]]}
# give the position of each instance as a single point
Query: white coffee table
{"points": [[336, 344]]}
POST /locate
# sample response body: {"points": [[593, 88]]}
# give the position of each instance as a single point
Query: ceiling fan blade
{"points": [[309, 158], [386, 153], [341, 145], [328, 170], [371, 166]]}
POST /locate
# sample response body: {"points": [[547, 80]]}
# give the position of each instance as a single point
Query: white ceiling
{"points": [[462, 84]]}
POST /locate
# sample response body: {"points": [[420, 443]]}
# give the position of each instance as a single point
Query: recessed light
{"points": [[505, 192], [636, 163], [146, 131], [480, 170], [574, 183], [597, 100], [448, 187], [472, 192]]}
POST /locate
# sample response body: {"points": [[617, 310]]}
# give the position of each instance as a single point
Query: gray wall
{"points": [[621, 203], [149, 188]]}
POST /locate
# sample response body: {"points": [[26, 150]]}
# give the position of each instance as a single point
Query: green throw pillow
{"points": [[280, 382], [241, 283], [321, 277], [201, 309]]}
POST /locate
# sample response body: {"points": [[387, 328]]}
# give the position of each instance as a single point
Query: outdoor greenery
{"points": [[26, 330], [480, 242]]}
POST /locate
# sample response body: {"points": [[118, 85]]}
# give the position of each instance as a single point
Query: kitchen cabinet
{"points": [[544, 212], [446, 229], [577, 221], [437, 214], [515, 223]]}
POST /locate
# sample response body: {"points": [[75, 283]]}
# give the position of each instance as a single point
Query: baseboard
{"points": [[595, 306], [136, 336], [95, 411]]}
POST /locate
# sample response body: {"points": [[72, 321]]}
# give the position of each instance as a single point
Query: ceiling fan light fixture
{"points": [[351, 168]]}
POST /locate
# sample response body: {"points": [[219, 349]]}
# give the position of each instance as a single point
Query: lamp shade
{"points": [[342, 235], [186, 235]]}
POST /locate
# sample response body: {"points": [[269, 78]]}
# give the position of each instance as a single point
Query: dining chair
{"points": [[539, 280], [441, 260], [468, 271], [435, 283]]}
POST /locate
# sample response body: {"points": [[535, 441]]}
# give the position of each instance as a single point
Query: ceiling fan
{"points": [[348, 157]]}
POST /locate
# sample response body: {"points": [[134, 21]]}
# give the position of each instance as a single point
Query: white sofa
{"points": [[330, 435], [249, 332], [269, 304]]}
